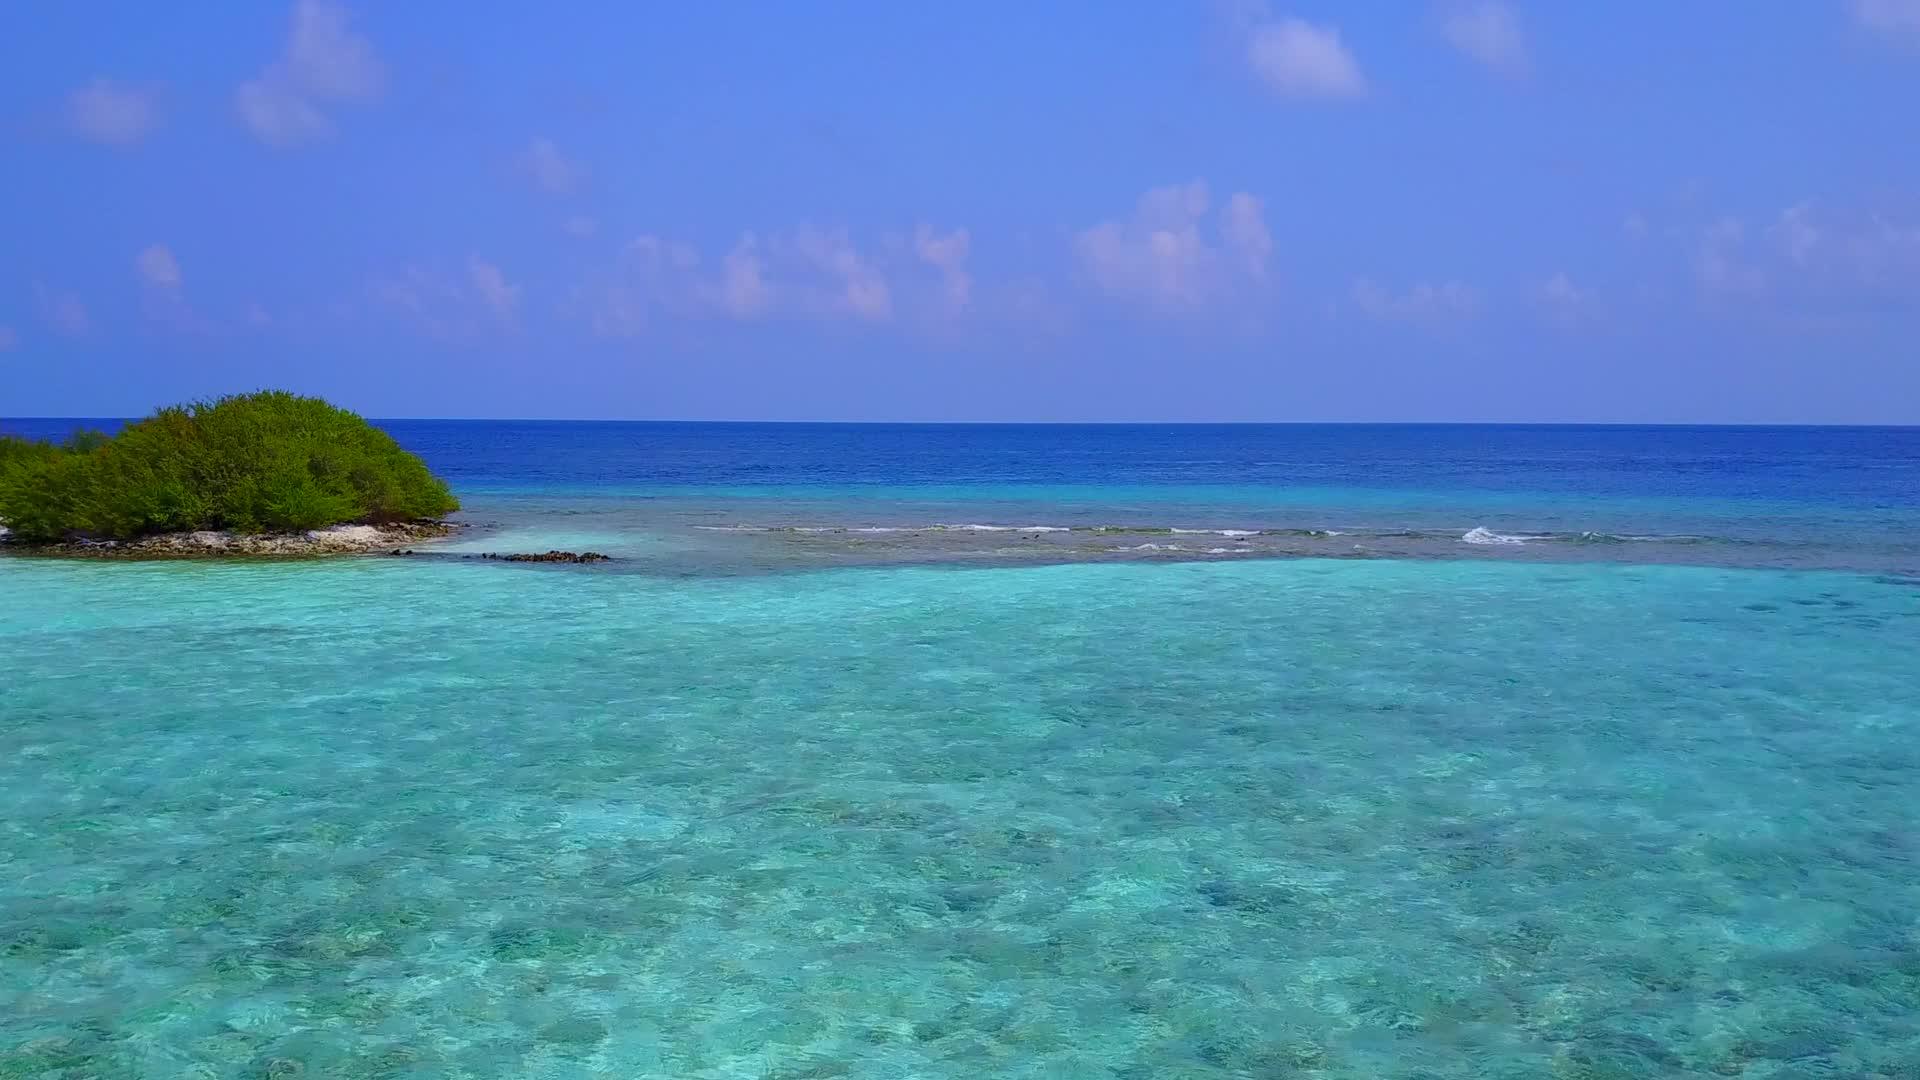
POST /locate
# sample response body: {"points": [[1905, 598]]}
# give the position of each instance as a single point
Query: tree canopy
{"points": [[251, 463]]}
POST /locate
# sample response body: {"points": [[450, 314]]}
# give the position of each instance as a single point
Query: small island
{"points": [[268, 473]]}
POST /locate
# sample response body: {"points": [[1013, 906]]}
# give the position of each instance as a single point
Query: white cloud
{"points": [[1162, 264], [580, 225], [1425, 303], [1243, 225], [456, 307], [653, 275], [1560, 291], [549, 169], [921, 281], [63, 311], [671, 253], [743, 285], [1295, 58], [107, 112], [855, 286], [1489, 32], [278, 115], [1842, 248], [158, 267], [327, 59], [614, 310], [161, 297], [947, 253], [1894, 18], [1564, 301], [411, 289], [1164, 256], [324, 62], [8, 338], [491, 285], [1796, 232], [1810, 256], [428, 299], [1722, 264], [657, 276]]}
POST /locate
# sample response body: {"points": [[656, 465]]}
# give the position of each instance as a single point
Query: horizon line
{"points": [[1072, 423]]}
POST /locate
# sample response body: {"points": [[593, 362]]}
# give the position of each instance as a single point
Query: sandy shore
{"points": [[336, 540]]}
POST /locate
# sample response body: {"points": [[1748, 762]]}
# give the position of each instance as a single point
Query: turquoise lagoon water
{"points": [[754, 802]]}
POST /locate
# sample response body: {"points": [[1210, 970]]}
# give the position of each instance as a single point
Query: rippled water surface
{"points": [[769, 796], [381, 818]]}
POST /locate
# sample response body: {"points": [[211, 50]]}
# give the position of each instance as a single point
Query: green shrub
{"points": [[17, 452], [265, 462]]}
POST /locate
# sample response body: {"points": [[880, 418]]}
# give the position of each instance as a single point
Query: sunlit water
{"points": [[751, 803], [1273, 818]]}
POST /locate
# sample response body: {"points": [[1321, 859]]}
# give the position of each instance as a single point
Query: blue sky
{"points": [[1473, 210]]}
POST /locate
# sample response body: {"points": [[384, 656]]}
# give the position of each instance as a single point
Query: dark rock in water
{"points": [[556, 557]]}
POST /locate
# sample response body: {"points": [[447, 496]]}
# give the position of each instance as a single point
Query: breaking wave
{"points": [[1481, 535]]}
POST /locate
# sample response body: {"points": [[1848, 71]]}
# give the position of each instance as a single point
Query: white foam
{"points": [[1216, 532], [810, 529], [1150, 547], [1481, 535], [1005, 528]]}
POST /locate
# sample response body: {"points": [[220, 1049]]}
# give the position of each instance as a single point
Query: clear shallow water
{"points": [[1115, 801], [1266, 818]]}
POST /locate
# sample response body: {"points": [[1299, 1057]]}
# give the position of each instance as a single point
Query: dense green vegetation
{"points": [[265, 462]]}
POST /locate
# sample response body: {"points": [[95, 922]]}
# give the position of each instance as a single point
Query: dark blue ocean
{"points": [[1249, 751], [1858, 467], [1789, 497]]}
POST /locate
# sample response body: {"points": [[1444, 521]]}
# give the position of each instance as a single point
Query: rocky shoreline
{"points": [[336, 540]]}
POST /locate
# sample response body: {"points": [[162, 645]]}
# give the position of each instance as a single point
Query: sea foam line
{"points": [[1482, 535], [1479, 535], [1005, 528]]}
